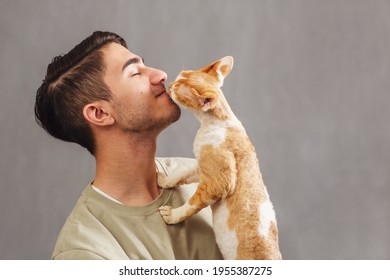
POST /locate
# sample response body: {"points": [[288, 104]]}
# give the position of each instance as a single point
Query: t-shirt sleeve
{"points": [[175, 165], [77, 255]]}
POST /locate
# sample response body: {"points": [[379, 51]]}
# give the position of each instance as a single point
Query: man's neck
{"points": [[126, 171]]}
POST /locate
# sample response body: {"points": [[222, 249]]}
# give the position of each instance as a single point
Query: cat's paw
{"points": [[169, 215], [164, 181]]}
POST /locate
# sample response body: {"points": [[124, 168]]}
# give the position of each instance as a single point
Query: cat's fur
{"points": [[229, 175]]}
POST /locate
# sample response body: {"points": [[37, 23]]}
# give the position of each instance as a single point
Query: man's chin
{"points": [[175, 116], [172, 118]]}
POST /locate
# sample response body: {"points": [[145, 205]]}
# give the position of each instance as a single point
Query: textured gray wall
{"points": [[311, 84]]}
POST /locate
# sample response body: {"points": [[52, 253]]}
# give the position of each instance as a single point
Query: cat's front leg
{"points": [[172, 216], [218, 177], [177, 215], [199, 200], [180, 177]]}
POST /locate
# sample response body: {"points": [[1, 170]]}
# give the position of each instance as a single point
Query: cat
{"points": [[228, 170]]}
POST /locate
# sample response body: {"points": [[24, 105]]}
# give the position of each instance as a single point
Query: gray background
{"points": [[310, 83]]}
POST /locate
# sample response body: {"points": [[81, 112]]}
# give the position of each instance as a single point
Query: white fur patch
{"points": [[267, 216], [176, 215], [209, 135], [226, 238], [182, 210], [212, 131]]}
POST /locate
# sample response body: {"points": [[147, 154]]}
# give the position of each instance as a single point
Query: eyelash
{"points": [[136, 74]]}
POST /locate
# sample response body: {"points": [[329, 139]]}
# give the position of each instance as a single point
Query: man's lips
{"points": [[160, 93]]}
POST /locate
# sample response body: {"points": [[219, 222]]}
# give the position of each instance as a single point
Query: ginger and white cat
{"points": [[228, 170]]}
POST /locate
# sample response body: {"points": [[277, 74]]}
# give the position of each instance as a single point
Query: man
{"points": [[103, 97]]}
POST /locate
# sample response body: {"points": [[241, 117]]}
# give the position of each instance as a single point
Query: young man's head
{"points": [[101, 84]]}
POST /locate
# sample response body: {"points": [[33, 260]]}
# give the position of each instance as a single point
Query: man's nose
{"points": [[158, 77]]}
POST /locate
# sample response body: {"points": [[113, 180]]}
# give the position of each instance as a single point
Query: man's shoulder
{"points": [[82, 234], [170, 165]]}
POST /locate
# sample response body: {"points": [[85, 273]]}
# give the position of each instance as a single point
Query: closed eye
{"points": [[136, 74]]}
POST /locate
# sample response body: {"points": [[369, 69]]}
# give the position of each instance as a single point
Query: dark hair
{"points": [[72, 81]]}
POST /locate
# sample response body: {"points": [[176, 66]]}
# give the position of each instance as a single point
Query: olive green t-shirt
{"points": [[99, 228]]}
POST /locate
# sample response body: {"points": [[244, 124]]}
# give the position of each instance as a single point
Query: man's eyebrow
{"points": [[131, 61]]}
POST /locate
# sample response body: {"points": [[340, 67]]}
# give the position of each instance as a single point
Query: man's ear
{"points": [[97, 113]]}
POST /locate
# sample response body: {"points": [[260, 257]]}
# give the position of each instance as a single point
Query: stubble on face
{"points": [[136, 101], [132, 119]]}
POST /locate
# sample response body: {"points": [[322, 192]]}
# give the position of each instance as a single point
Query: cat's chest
{"points": [[209, 135]]}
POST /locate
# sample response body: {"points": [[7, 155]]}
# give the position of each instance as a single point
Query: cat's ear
{"points": [[220, 68], [208, 101], [225, 65]]}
